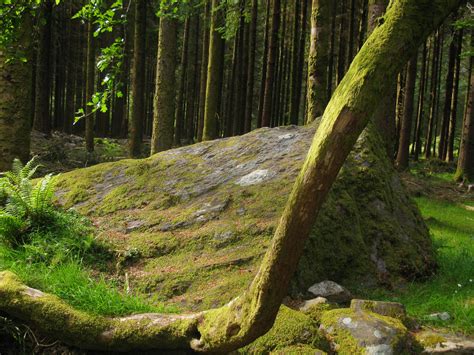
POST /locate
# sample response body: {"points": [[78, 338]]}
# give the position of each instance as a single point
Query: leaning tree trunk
{"points": [[318, 59], [164, 101], [15, 98], [250, 315]]}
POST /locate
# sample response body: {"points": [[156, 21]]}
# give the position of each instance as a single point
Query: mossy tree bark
{"points": [[164, 102], [137, 117], [318, 59], [214, 74], [15, 97], [250, 315]]}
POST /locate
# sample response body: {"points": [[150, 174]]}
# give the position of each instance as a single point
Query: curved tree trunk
{"points": [[250, 315]]}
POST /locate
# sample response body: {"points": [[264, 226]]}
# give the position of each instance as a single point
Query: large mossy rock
{"points": [[191, 224]]}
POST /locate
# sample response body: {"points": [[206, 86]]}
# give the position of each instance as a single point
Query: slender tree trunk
{"points": [[352, 31], [90, 87], [332, 49], [433, 95], [42, 118], [444, 132], [318, 59], [420, 107], [15, 97], [253, 313], [214, 75], [363, 22], [137, 111], [264, 63], [72, 68], [191, 75], [272, 57], [465, 168], [165, 91], [180, 105], [251, 67], [343, 34], [454, 101], [406, 122], [297, 28], [204, 64]]}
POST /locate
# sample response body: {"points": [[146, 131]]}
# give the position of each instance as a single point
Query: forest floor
{"points": [[448, 210]]}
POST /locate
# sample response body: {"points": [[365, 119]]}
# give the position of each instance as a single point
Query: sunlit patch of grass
{"points": [[73, 283], [452, 288]]}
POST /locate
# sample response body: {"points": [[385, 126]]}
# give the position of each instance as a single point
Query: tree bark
{"points": [[416, 147], [15, 97], [42, 118], [251, 67], [90, 87], [465, 167], [272, 57], [247, 317], [180, 105], [204, 64], [433, 94], [343, 34], [406, 123], [165, 90], [214, 75], [137, 116], [318, 59]]}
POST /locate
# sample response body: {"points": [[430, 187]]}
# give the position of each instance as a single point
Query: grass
{"points": [[452, 288], [74, 283]]}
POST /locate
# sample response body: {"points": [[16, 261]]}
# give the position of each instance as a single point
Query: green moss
{"points": [[316, 311], [429, 340], [290, 328], [298, 349]]}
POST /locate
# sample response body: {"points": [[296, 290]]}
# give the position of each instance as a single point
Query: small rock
{"points": [[389, 309], [223, 238], [306, 305], [435, 342], [330, 290], [133, 225], [255, 177], [444, 316]]}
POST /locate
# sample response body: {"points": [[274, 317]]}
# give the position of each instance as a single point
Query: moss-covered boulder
{"points": [[190, 225], [292, 329]]}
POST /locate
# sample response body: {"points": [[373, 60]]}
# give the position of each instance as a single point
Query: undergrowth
{"points": [[56, 250]]}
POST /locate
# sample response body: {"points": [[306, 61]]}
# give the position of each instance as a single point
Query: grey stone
{"points": [[445, 343], [255, 177], [444, 316], [389, 309], [330, 290], [306, 305]]}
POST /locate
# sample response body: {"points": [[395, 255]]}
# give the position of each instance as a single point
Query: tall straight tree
{"points": [[165, 89], [343, 35], [252, 41], [465, 167], [90, 86], [42, 117], [138, 81], [203, 75], [180, 108], [15, 95], [318, 59], [433, 93], [214, 74], [416, 147], [271, 61], [407, 117]]}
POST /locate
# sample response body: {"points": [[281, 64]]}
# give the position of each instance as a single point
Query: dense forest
{"points": [[271, 145]]}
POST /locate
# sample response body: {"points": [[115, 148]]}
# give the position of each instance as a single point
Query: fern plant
{"points": [[25, 204]]}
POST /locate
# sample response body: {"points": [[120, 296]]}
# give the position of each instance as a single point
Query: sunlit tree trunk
{"points": [[90, 87]]}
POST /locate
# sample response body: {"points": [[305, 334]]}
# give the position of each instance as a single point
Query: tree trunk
{"points": [[42, 118], [454, 101], [297, 28], [15, 97], [264, 63], [406, 123], [465, 168], [204, 64], [272, 58], [318, 59], [214, 75], [191, 75], [332, 49], [164, 101], [137, 111], [247, 317], [443, 139], [180, 106], [433, 94], [90, 87], [343, 34], [251, 67], [420, 107]]}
